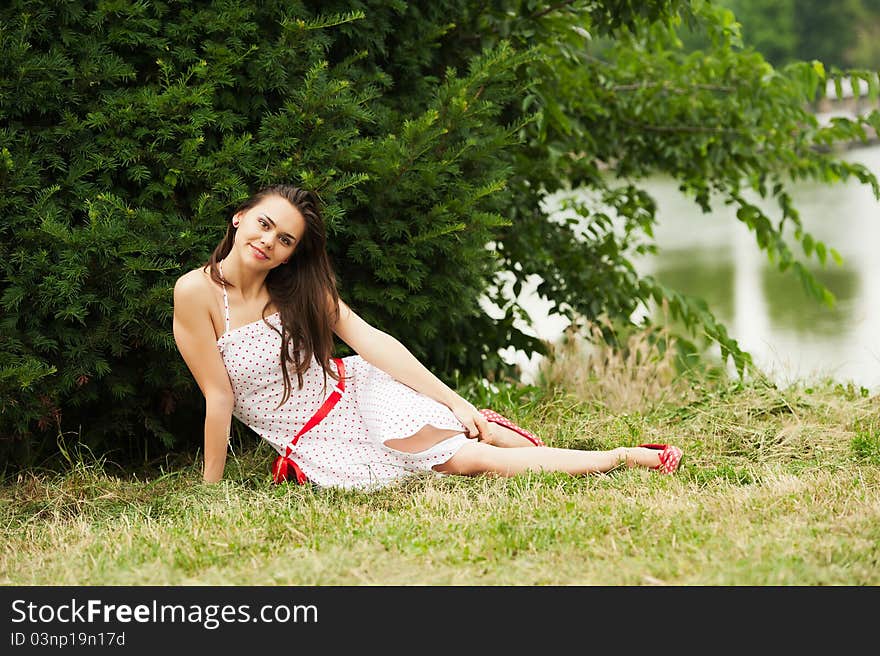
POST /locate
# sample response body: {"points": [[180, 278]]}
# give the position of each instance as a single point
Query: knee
{"points": [[471, 459]]}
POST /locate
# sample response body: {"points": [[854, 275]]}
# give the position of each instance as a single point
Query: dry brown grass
{"points": [[638, 375]]}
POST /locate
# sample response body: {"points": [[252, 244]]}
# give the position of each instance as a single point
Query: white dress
{"points": [[347, 448]]}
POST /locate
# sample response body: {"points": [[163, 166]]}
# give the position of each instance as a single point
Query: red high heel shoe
{"points": [[495, 418], [670, 457]]}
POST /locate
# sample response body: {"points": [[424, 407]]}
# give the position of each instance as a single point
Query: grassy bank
{"points": [[779, 487]]}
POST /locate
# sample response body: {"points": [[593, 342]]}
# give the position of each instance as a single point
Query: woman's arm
{"points": [[194, 335], [388, 354]]}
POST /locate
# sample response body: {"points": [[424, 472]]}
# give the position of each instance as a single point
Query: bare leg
{"points": [[505, 437], [429, 435], [423, 439], [480, 458]]}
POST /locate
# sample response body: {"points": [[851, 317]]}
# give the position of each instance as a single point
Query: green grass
{"points": [[778, 487]]}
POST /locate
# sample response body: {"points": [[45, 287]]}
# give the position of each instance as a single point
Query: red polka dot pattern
{"points": [[347, 448]]}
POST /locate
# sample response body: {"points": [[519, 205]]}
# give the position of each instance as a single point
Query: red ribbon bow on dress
{"points": [[284, 468]]}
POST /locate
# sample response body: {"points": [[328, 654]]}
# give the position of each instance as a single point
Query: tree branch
{"points": [[551, 8]]}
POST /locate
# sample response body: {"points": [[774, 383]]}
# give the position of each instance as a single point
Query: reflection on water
{"points": [[711, 275], [676, 268], [811, 318], [789, 334]]}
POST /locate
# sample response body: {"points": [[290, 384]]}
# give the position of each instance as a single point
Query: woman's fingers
{"points": [[482, 426], [477, 426], [473, 421], [473, 428]]}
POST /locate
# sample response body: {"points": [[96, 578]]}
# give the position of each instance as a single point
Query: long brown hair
{"points": [[303, 290]]}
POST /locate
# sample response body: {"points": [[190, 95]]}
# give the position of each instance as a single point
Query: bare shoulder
{"points": [[193, 289], [195, 333]]}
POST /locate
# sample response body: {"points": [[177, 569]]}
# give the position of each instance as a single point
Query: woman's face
{"points": [[269, 232]]}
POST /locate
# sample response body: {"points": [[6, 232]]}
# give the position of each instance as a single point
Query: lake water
{"points": [[791, 336]]}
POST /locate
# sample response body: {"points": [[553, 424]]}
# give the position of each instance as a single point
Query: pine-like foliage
{"points": [[433, 131], [129, 131]]}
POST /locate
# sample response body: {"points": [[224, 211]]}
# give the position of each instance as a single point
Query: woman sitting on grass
{"points": [[265, 308]]}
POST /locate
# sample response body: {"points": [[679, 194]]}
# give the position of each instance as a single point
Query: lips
{"points": [[260, 254]]}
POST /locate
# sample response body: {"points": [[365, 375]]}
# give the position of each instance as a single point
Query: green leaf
{"points": [[807, 243], [820, 252]]}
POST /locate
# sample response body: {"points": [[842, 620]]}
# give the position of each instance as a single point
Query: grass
{"points": [[779, 487]]}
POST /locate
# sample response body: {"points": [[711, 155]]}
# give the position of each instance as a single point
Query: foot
{"points": [[668, 456], [637, 456]]}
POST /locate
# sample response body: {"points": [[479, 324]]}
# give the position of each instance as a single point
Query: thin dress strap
{"points": [[225, 297]]}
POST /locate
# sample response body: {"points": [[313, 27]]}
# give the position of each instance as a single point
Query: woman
{"points": [[262, 313]]}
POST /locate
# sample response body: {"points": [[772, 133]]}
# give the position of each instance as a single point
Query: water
{"points": [[790, 335]]}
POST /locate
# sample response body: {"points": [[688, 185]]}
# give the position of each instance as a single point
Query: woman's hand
{"points": [[470, 417]]}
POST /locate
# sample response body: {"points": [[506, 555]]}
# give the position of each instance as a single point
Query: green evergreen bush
{"points": [[433, 131], [131, 130]]}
